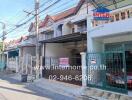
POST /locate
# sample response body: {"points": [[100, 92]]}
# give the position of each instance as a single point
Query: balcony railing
{"points": [[116, 16], [59, 33], [49, 36], [82, 29], [45, 36]]}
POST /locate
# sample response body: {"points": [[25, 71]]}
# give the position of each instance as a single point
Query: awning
{"points": [[110, 4], [29, 42], [67, 38], [12, 49], [26, 43]]}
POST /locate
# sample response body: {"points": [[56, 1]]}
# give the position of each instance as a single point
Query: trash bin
{"points": [[24, 78]]}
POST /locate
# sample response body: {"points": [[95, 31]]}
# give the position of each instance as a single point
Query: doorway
{"points": [[127, 49]]}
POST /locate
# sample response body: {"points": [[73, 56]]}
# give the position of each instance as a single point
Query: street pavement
{"points": [[11, 89]]}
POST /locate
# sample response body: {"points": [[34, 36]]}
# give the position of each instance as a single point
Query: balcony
{"points": [[46, 36], [82, 29], [81, 26], [29, 42], [59, 33], [121, 22], [114, 28], [49, 36]]}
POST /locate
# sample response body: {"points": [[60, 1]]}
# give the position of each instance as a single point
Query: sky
{"points": [[12, 13]]}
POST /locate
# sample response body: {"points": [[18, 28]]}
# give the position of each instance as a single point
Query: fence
{"points": [[107, 71], [12, 64], [2, 65], [70, 73], [27, 64], [2, 62]]}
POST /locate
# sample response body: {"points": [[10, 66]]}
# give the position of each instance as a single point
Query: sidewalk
{"points": [[73, 90], [58, 87], [53, 86]]}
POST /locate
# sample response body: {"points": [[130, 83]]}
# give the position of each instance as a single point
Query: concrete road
{"points": [[14, 90]]}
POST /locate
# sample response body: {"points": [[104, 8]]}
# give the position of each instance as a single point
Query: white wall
{"points": [[56, 50], [82, 10], [109, 33], [66, 29], [123, 38], [62, 50], [114, 28], [98, 43]]}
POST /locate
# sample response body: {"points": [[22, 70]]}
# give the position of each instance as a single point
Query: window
{"points": [[82, 26], [73, 30], [60, 29], [123, 15], [117, 17]]}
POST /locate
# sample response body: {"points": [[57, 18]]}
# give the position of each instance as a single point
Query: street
{"points": [[66, 50], [14, 90]]}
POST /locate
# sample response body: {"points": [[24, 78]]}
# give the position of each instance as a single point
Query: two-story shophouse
{"points": [[109, 45], [62, 37]]}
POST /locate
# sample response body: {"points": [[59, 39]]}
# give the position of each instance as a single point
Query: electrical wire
{"points": [[61, 10], [18, 26]]}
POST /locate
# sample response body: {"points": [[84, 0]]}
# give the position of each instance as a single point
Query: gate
{"points": [[2, 65], [27, 65], [2, 62], [13, 64], [70, 73], [107, 71]]}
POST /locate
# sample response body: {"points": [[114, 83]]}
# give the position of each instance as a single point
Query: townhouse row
{"points": [[64, 36]]}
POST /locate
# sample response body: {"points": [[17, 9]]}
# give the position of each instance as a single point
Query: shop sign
{"points": [[101, 13], [64, 62]]}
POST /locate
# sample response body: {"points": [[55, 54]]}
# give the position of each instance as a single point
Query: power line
{"points": [[18, 26], [65, 3], [59, 6], [31, 12]]}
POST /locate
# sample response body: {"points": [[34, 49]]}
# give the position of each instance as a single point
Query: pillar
{"points": [[84, 69]]}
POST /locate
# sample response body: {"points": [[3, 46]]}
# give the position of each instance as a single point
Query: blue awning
{"points": [[102, 9], [110, 4]]}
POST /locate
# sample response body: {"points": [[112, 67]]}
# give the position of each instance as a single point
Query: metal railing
{"points": [[107, 71], [71, 72], [127, 13], [82, 29], [45, 36]]}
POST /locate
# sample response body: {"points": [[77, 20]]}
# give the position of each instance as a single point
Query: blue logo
{"points": [[101, 13]]}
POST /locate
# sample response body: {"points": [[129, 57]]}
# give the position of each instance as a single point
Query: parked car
{"points": [[119, 80]]}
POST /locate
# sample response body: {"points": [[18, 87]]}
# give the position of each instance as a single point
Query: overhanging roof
{"points": [[67, 38], [110, 4]]}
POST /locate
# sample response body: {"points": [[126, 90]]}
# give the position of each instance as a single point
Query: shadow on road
{"points": [[34, 90]]}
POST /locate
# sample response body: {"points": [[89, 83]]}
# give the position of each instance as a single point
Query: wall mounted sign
{"points": [[64, 62], [101, 13], [93, 61]]}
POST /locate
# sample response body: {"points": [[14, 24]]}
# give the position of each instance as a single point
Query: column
{"points": [[89, 29], [84, 69]]}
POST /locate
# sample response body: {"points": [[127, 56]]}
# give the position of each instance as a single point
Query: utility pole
{"points": [[3, 38], [37, 34]]}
